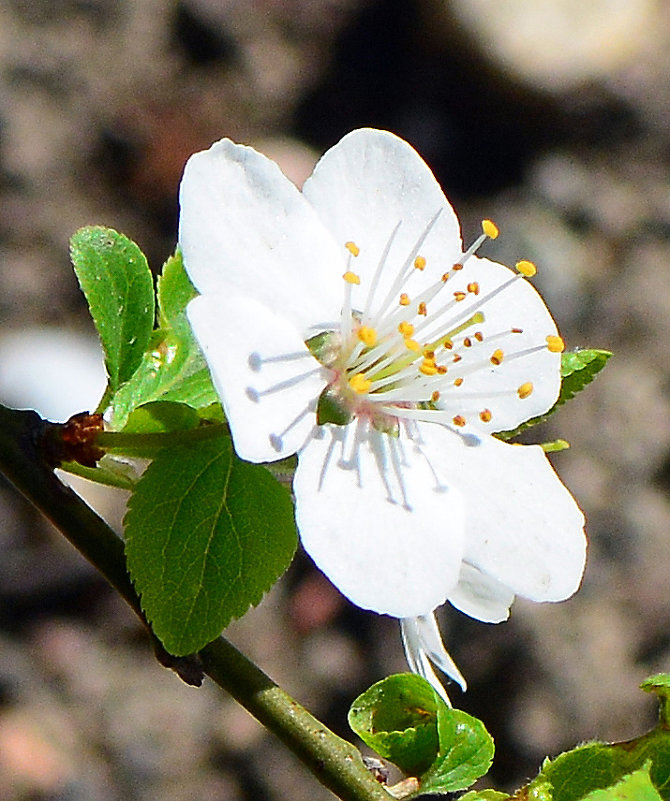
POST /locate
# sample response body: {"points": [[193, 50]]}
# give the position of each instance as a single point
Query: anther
{"points": [[435, 396], [445, 277], [458, 382], [490, 229], [422, 309], [473, 288], [467, 342], [367, 335], [517, 331], [351, 278], [456, 358], [479, 336], [429, 354], [359, 383], [441, 369], [353, 248], [420, 262], [459, 420], [555, 344], [459, 296], [525, 390], [497, 357], [406, 329], [485, 415], [404, 299], [457, 266], [412, 344], [448, 344], [526, 268], [428, 367]]}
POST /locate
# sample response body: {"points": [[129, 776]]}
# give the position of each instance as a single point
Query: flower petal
{"points": [[375, 519], [367, 184], [423, 644], [245, 226], [481, 596], [523, 528], [266, 377]]}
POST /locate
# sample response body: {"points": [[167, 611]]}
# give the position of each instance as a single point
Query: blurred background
{"points": [[553, 119]]}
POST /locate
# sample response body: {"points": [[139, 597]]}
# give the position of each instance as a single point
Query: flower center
{"points": [[408, 355]]}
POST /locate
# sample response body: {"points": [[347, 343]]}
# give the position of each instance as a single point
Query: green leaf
{"points": [[161, 417], [484, 795], [578, 368], [173, 368], [207, 535], [116, 280], [465, 753], [576, 774], [634, 787], [397, 717]]}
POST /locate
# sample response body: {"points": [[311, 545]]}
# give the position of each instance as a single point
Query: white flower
{"points": [[346, 324]]}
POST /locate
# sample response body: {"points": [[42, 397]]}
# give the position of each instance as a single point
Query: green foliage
{"points": [[115, 278], [404, 720], [578, 369], [612, 771], [172, 368], [207, 535]]}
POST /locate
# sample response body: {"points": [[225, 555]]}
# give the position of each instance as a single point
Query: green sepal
{"points": [[578, 369], [330, 408], [207, 535], [325, 347]]}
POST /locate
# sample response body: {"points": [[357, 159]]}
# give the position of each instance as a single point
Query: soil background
{"points": [[553, 119]]}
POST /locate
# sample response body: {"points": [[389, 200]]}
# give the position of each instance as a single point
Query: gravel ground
{"points": [[556, 125]]}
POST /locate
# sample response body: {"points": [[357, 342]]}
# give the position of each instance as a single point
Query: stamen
{"points": [[517, 331], [526, 268], [351, 278], [459, 420], [428, 367], [479, 336], [497, 357], [490, 229], [406, 329], [404, 299], [422, 309], [435, 396], [458, 382], [525, 390], [420, 263], [473, 287], [459, 296], [359, 383], [412, 344], [485, 415], [353, 248], [555, 344], [367, 335]]}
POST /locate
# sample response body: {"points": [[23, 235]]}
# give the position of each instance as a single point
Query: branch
{"points": [[334, 762]]}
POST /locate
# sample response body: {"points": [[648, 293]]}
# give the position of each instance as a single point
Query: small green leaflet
{"points": [[578, 368], [404, 720], [207, 535], [116, 280], [172, 369], [612, 771]]}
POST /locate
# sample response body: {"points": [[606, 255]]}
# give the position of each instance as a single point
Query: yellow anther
{"points": [[406, 329], [435, 396], [526, 268], [479, 336], [353, 248], [458, 266], [428, 367], [458, 382], [456, 358], [490, 229], [419, 262], [422, 309], [555, 344], [445, 277], [497, 357], [485, 415], [429, 354], [441, 369], [525, 390], [351, 278], [367, 335], [404, 299], [459, 296], [473, 288], [359, 383], [412, 344], [459, 420], [448, 344]]}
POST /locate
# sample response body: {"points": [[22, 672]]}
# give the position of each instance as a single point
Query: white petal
{"points": [[391, 542], [423, 645], [481, 596], [367, 184], [245, 226], [266, 378], [523, 528]]}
